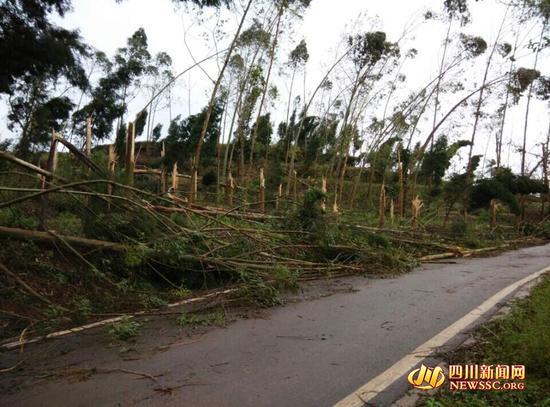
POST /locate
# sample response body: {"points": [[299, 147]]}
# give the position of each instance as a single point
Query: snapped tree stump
{"points": [[130, 154], [262, 191], [416, 205]]}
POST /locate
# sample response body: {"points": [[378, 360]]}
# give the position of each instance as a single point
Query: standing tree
{"points": [[38, 60]]}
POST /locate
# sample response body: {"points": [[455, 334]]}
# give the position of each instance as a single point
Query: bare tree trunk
{"points": [[228, 145], [130, 150], [289, 141]]}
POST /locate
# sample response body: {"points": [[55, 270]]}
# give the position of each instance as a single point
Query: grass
{"points": [[521, 337], [192, 320]]}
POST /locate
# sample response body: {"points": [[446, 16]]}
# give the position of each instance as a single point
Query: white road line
{"points": [[371, 389]]}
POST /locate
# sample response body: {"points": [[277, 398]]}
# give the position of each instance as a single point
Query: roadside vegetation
{"points": [[104, 211], [521, 337]]}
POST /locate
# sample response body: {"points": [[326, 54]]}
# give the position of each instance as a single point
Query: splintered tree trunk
{"points": [[416, 205], [52, 157], [89, 137], [279, 196], [493, 213], [45, 180], [175, 177], [194, 183], [401, 197], [230, 189], [545, 173], [163, 169], [211, 103], [262, 191], [324, 191], [382, 206], [130, 152], [295, 187], [111, 163]]}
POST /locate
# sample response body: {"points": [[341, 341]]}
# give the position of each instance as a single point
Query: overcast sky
{"points": [[106, 25]]}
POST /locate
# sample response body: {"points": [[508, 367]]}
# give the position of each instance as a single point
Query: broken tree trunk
{"points": [[279, 196], [392, 211], [295, 186], [111, 165], [89, 137], [401, 198], [194, 183], [81, 156], [130, 152], [230, 189], [174, 177], [52, 157], [23, 234], [46, 180], [162, 169], [262, 191], [22, 163], [493, 213], [324, 191], [382, 206], [416, 205]]}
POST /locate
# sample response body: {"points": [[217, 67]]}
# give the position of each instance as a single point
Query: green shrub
{"points": [[285, 277], [82, 308], [213, 318], [124, 329], [256, 291]]}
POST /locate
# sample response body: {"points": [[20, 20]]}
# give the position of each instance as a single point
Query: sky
{"points": [[106, 25]]}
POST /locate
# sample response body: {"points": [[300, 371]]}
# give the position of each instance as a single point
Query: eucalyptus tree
{"points": [[211, 103], [293, 8], [470, 47], [367, 50], [497, 46], [109, 98], [297, 60], [453, 10], [39, 63], [183, 135], [253, 43], [31, 46], [244, 68], [236, 68], [158, 74], [437, 161], [542, 43]]}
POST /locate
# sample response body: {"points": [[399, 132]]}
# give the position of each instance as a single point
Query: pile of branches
{"points": [[112, 235]]}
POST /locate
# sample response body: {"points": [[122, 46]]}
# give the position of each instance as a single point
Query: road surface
{"points": [[310, 353]]}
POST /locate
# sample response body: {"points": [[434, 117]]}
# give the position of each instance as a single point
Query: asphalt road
{"points": [[309, 353]]}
